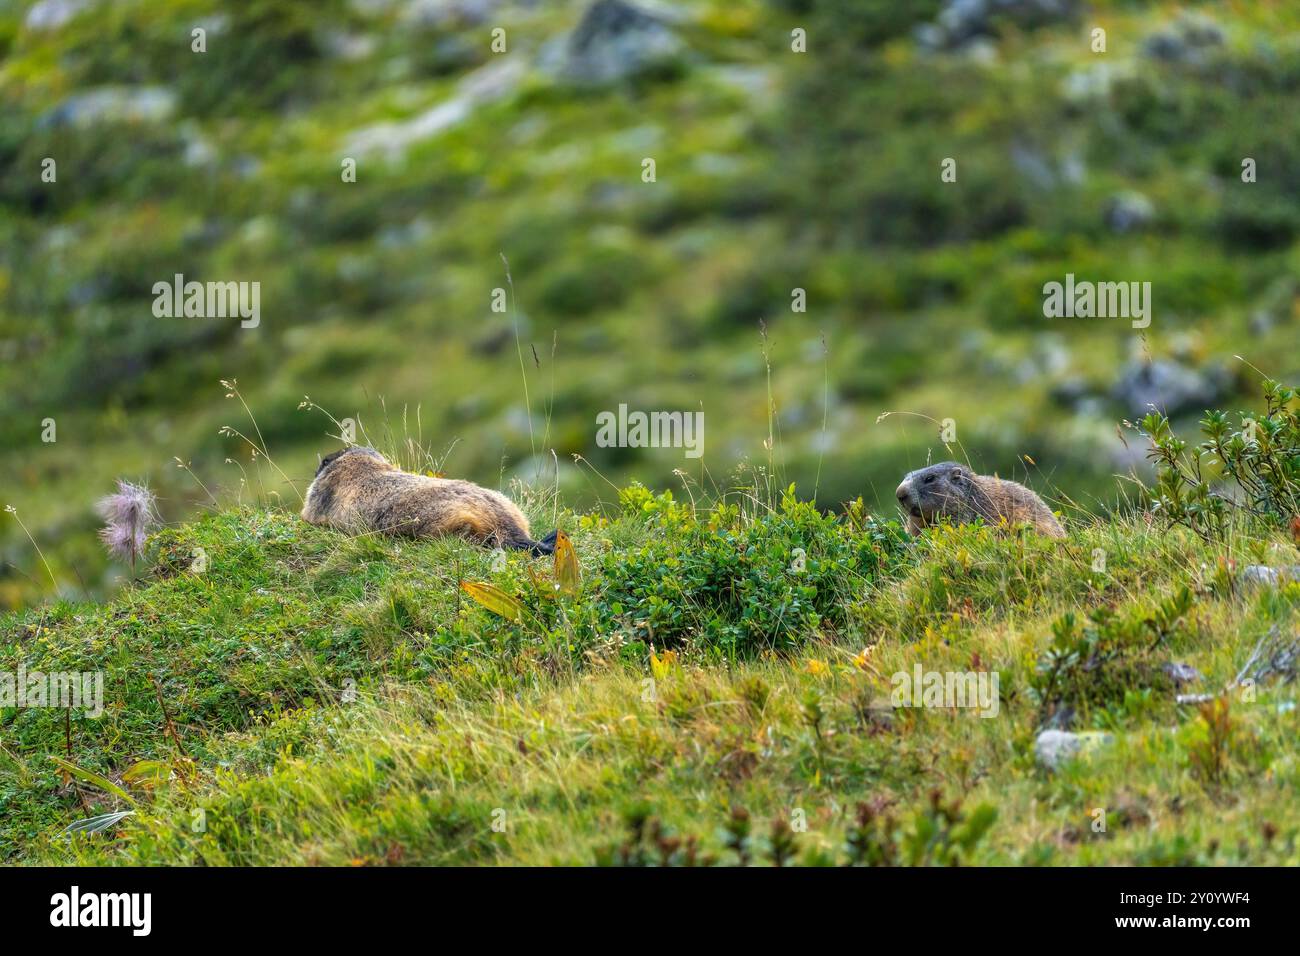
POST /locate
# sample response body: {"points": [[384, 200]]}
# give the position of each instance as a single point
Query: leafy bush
{"points": [[1259, 457], [738, 583]]}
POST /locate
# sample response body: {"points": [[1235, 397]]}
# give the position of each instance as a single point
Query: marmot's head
{"points": [[929, 493], [355, 457]]}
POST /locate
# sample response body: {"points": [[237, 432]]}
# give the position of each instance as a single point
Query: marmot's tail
{"points": [[538, 548]]}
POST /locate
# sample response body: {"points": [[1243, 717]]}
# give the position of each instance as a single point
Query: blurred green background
{"points": [[776, 170]]}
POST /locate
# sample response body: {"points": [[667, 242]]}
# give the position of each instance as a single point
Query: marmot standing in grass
{"points": [[953, 491], [358, 489]]}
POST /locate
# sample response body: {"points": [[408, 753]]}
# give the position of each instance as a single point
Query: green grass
{"points": [[338, 700]]}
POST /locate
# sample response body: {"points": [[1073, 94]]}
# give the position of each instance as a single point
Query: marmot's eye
{"points": [[929, 480]]}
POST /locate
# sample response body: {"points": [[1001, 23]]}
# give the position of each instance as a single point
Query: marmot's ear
{"points": [[958, 474], [329, 460]]}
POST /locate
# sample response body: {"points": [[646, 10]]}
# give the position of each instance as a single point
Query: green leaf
{"points": [[148, 773], [89, 776]]}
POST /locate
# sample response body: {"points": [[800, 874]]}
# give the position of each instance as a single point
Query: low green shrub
{"points": [[734, 583], [1108, 658], [941, 833], [1258, 458]]}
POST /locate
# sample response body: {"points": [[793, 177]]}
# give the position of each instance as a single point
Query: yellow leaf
{"points": [[495, 600], [567, 575], [662, 665], [148, 773]]}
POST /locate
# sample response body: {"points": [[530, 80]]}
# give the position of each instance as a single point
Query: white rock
{"points": [[491, 82], [1054, 747], [1263, 574]]}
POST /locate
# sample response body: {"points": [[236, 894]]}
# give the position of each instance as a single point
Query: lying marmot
{"points": [[949, 490], [358, 489]]}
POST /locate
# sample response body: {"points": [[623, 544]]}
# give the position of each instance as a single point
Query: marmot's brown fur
{"points": [[358, 489], [953, 491]]}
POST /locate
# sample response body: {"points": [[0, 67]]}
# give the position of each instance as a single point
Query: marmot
{"points": [[953, 491], [358, 489]]}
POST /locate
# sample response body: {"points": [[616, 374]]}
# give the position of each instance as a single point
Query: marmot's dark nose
{"points": [[903, 492]]}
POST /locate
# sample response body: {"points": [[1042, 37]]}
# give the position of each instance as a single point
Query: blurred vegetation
{"points": [[776, 170]]}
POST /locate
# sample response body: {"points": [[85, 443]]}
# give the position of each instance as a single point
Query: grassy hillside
{"points": [[776, 171], [711, 679], [706, 693]]}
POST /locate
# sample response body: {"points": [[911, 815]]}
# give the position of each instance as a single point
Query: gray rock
{"points": [[113, 104], [1091, 406], [1061, 719], [759, 83], [444, 13], [1129, 457], [52, 14], [350, 47], [1261, 322], [1190, 39], [1033, 165], [1092, 82], [199, 150], [1262, 574], [931, 36], [962, 22], [246, 167], [1276, 307], [405, 235], [615, 40], [1051, 354], [1055, 747], [1167, 386], [1181, 673], [1129, 212]]}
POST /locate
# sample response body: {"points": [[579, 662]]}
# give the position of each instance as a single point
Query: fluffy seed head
{"points": [[128, 516]]}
